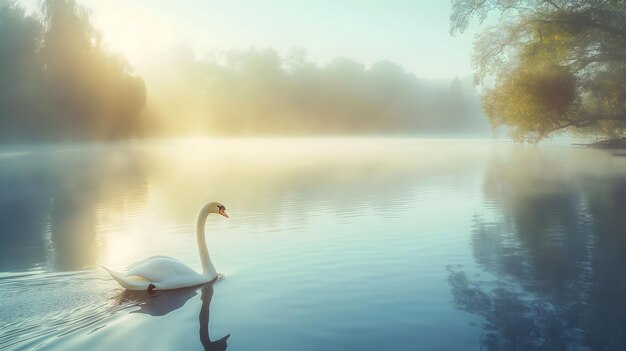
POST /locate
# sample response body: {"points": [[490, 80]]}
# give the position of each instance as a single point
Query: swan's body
{"points": [[162, 272]]}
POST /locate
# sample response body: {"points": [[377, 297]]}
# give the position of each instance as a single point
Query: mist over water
{"points": [[337, 244], [260, 92], [59, 82]]}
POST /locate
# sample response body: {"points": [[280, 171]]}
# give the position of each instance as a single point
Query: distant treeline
{"points": [[57, 82], [250, 92]]}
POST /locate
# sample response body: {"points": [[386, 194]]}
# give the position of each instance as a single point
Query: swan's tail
{"points": [[128, 282]]}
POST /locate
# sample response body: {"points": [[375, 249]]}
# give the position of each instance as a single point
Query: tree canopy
{"points": [[248, 92], [555, 64], [58, 82]]}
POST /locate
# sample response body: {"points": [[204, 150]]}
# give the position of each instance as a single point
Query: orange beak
{"points": [[223, 213]]}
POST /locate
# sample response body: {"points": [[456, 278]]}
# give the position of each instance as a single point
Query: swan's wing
{"points": [[161, 269], [146, 260]]}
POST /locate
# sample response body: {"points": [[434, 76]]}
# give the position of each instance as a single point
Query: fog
{"points": [[59, 82], [260, 92]]}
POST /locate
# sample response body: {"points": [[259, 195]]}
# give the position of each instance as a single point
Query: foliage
{"points": [[56, 80], [558, 65], [261, 92]]}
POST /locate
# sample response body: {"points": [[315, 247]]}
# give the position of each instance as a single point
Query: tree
{"points": [[557, 64], [57, 81], [95, 93], [21, 71]]}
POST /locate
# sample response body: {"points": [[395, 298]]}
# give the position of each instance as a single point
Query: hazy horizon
{"points": [[69, 75], [413, 34]]}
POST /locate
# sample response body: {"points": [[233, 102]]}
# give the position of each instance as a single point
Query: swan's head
{"points": [[216, 207]]}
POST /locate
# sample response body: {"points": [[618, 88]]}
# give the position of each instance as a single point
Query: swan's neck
{"points": [[207, 265]]}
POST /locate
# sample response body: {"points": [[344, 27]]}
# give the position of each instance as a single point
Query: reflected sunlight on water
{"points": [[337, 244]]}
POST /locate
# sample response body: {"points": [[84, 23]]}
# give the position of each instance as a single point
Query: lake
{"points": [[332, 244]]}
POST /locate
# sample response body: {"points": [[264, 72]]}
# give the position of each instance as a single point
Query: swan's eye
{"points": [[221, 207]]}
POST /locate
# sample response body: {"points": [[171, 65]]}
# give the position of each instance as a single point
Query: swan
{"points": [[163, 273]]}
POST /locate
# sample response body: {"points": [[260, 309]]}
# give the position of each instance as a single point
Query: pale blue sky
{"points": [[413, 33]]}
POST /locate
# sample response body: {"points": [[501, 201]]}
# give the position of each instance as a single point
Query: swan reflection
{"points": [[220, 344], [161, 303]]}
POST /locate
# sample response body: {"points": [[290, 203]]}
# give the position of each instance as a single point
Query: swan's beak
{"points": [[223, 213]]}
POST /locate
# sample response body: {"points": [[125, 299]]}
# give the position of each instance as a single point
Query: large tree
{"points": [[96, 94], [57, 81], [21, 71], [550, 65]]}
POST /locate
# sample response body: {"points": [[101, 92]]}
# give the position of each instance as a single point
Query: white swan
{"points": [[162, 272]]}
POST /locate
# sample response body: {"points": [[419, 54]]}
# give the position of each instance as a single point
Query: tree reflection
{"points": [[78, 195], [22, 210], [556, 248], [50, 201]]}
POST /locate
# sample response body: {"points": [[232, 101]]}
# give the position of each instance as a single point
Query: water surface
{"points": [[332, 244]]}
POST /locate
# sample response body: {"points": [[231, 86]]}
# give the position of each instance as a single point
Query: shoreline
{"points": [[615, 143]]}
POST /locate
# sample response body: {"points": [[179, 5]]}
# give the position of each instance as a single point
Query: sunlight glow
{"points": [[136, 34], [120, 250]]}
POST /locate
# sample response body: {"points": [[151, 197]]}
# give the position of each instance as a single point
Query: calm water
{"points": [[332, 244]]}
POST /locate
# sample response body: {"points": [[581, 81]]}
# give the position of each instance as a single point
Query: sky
{"points": [[411, 33]]}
